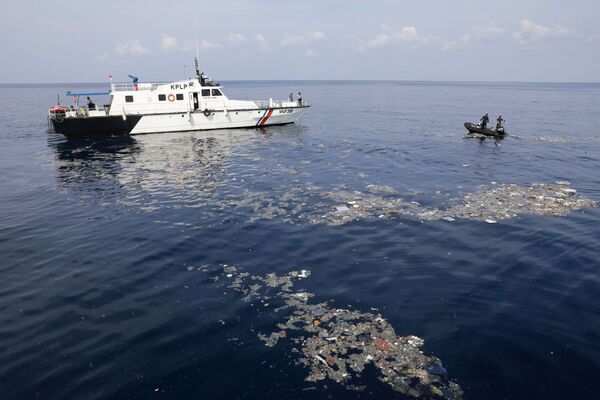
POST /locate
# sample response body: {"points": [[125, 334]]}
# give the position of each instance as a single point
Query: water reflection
{"points": [[92, 167], [92, 148], [150, 170]]}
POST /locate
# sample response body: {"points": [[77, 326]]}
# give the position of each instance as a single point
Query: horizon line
{"points": [[308, 80]]}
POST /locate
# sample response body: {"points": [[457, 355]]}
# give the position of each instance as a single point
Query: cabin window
{"points": [[179, 96], [129, 99], [162, 97], [205, 92], [216, 92]]}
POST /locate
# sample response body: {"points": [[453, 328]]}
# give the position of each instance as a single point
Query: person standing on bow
{"points": [[499, 122], [484, 121]]}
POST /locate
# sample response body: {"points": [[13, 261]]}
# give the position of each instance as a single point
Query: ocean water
{"points": [[108, 244]]}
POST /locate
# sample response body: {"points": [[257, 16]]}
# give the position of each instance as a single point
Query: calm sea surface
{"points": [[101, 241]]}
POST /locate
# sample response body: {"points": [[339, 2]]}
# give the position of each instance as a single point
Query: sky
{"points": [[426, 40]]}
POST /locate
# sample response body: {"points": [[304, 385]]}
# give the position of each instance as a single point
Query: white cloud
{"points": [[303, 40], [406, 38], [462, 42], [170, 43], [530, 32], [236, 38], [292, 40], [206, 45], [263, 44], [131, 48], [315, 36], [485, 33], [479, 35], [593, 39], [309, 53]]}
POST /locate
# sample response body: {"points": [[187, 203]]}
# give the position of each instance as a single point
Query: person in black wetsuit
{"points": [[484, 121], [499, 122]]}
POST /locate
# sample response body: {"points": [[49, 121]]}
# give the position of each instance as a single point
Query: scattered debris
{"points": [[304, 274], [489, 203], [551, 139], [310, 204], [339, 343], [503, 201]]}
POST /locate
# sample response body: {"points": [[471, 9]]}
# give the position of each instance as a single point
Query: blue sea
{"points": [[108, 244]]}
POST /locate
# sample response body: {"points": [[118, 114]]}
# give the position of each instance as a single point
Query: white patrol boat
{"points": [[189, 105]]}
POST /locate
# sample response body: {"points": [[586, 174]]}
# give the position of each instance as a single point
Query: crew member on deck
{"points": [[499, 122], [484, 121], [91, 105], [291, 97], [299, 98]]}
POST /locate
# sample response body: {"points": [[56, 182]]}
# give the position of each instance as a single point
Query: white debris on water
{"points": [[339, 343], [496, 201], [550, 139], [504, 201], [304, 274], [488, 203]]}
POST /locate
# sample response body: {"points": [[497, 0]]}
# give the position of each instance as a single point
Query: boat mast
{"points": [[197, 68], [196, 58]]}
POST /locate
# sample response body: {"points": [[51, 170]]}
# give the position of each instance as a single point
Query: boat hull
{"points": [[472, 128], [133, 124], [95, 126]]}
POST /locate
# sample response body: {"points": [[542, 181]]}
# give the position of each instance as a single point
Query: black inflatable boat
{"points": [[474, 128]]}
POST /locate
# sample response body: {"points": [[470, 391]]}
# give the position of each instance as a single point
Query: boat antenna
{"points": [[197, 68], [196, 58]]}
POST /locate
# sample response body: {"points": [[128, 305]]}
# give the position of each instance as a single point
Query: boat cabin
{"points": [[157, 98]]}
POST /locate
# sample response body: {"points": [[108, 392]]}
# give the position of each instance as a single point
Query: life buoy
{"points": [[206, 112], [171, 97], [59, 117]]}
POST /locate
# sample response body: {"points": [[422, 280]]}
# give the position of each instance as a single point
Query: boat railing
{"points": [[130, 87], [82, 111], [280, 103]]}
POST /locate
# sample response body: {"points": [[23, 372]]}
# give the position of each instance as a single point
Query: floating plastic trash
{"points": [[338, 343]]}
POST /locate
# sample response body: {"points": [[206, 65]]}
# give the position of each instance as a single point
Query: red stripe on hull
{"points": [[264, 120]]}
